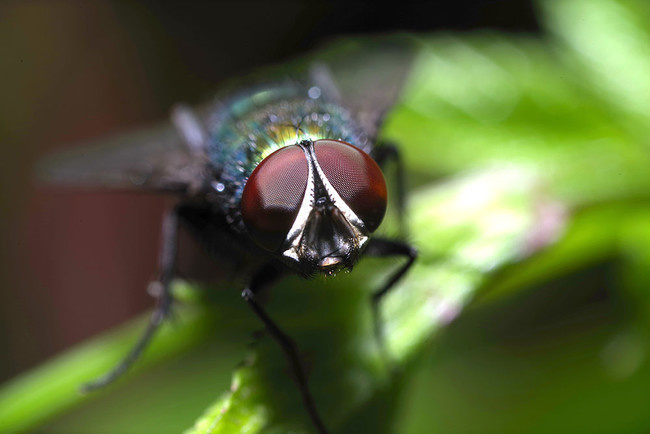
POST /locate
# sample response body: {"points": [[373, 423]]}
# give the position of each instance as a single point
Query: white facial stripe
{"points": [[295, 233]]}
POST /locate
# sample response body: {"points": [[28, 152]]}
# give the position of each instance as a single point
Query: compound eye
{"points": [[273, 195], [356, 178]]}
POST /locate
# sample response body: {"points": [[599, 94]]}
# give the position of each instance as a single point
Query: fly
{"points": [[279, 177]]}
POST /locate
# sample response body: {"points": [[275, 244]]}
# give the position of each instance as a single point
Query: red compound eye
{"points": [[356, 177], [273, 195]]}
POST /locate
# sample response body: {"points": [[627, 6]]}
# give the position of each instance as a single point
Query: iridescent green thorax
{"points": [[248, 127]]}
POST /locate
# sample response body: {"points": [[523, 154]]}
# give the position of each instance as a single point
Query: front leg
{"points": [[381, 247], [164, 301], [263, 279]]}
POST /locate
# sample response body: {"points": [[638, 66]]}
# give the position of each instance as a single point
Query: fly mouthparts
{"points": [[330, 261]]}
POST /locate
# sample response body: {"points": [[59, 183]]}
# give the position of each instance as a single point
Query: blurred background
{"points": [[556, 342], [77, 262]]}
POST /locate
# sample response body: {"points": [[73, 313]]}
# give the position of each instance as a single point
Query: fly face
{"points": [[315, 203]]}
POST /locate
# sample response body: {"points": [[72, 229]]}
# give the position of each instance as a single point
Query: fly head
{"points": [[315, 204]]}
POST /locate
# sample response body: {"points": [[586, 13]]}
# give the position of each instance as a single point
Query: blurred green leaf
{"points": [[33, 397], [471, 237]]}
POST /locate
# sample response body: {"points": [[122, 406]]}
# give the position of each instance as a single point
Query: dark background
{"points": [[74, 263]]}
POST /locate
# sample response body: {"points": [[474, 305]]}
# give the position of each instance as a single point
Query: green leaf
{"points": [[609, 43], [330, 320]]}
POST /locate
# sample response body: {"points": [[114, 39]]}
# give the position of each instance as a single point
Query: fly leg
{"points": [[261, 280], [381, 247], [382, 154], [163, 303]]}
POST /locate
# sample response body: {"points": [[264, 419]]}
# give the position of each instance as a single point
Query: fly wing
{"points": [[364, 75], [368, 75], [155, 159]]}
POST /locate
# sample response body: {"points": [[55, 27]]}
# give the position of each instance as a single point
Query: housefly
{"points": [[281, 176]]}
